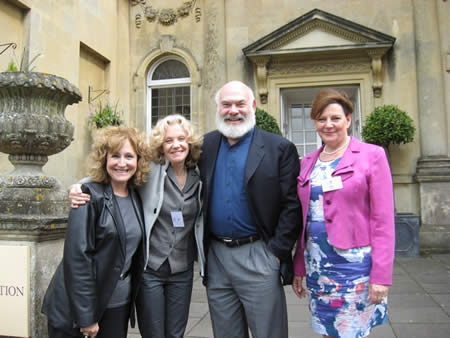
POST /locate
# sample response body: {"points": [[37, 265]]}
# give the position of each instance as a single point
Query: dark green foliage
{"points": [[388, 125], [105, 115], [266, 122]]}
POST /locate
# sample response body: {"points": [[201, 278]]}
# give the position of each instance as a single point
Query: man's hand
{"points": [[377, 293], [297, 286], [76, 197], [90, 330]]}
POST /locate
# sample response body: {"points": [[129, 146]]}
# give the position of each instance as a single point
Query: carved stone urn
{"points": [[33, 127]]}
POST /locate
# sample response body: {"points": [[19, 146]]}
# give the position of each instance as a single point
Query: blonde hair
{"points": [[110, 140], [158, 134]]}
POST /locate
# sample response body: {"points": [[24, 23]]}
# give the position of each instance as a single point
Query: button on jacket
{"points": [[94, 257], [359, 214]]}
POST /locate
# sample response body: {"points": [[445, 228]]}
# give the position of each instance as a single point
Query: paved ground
{"points": [[419, 304]]}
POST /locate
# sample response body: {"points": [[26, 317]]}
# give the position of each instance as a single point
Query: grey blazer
{"points": [[152, 195]]}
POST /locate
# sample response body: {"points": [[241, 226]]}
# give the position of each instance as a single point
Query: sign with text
{"points": [[14, 291]]}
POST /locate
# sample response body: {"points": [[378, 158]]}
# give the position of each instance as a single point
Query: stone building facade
{"points": [[162, 56]]}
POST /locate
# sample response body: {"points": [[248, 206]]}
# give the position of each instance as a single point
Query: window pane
{"points": [[171, 69], [310, 148], [171, 100], [297, 137], [311, 137], [300, 151]]}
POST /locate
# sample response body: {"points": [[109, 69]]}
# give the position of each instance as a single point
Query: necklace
{"points": [[335, 151]]}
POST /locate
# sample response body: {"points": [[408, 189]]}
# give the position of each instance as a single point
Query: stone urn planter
{"points": [[33, 127]]}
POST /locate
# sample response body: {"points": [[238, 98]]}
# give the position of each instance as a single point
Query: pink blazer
{"points": [[359, 214]]}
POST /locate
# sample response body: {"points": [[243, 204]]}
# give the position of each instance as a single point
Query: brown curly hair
{"points": [[157, 139], [110, 140]]}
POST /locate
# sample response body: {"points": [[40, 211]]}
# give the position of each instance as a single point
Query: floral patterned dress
{"points": [[337, 280]]}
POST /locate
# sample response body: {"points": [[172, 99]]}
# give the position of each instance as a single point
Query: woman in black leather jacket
{"points": [[93, 290]]}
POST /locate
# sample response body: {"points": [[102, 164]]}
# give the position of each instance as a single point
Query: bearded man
{"points": [[252, 219]]}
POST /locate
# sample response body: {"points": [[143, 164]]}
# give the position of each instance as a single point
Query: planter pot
{"points": [[33, 127], [407, 226]]}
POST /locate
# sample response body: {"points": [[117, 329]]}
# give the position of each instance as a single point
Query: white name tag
{"points": [[334, 183], [177, 219]]}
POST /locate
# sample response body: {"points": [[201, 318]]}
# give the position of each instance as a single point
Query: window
{"points": [[296, 116], [169, 90]]}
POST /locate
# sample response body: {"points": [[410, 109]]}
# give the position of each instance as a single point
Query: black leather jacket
{"points": [[94, 256]]}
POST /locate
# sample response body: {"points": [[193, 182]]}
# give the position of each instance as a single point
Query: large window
{"points": [[296, 117], [169, 89]]}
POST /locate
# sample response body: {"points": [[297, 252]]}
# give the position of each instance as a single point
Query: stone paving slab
{"points": [[419, 304]]}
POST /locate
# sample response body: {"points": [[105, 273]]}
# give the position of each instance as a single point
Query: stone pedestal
{"points": [[33, 206], [433, 175]]}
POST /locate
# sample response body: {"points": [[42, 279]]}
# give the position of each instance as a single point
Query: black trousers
{"points": [[114, 324], [163, 302]]}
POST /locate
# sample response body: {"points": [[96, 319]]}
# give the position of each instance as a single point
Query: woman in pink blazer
{"points": [[346, 250]]}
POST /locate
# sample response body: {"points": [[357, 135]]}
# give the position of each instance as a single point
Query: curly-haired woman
{"points": [[94, 287]]}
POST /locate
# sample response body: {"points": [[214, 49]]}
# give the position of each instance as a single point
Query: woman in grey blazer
{"points": [[174, 225]]}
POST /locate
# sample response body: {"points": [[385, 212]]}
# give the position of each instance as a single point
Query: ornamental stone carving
{"points": [[33, 127], [164, 16], [32, 113]]}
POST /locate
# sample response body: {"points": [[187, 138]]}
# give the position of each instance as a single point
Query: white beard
{"points": [[233, 131]]}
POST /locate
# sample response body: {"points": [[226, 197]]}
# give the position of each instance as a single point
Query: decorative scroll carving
{"points": [[377, 70], [164, 16], [261, 76]]}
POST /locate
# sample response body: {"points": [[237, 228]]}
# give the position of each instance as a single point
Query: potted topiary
{"points": [[266, 122], [388, 125], [385, 126]]}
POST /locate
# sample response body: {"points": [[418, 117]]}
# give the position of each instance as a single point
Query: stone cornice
{"points": [[433, 169], [363, 43]]}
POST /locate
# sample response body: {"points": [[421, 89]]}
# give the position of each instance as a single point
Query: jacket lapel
{"points": [[307, 165], [137, 209], [113, 207], [345, 165], [210, 157], [255, 155]]}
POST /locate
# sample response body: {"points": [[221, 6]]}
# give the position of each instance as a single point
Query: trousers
{"points": [[163, 302], [245, 292]]}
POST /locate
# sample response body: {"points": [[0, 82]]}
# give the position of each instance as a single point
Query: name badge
{"points": [[177, 219], [333, 183]]}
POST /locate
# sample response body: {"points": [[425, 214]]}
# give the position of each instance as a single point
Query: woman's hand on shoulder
{"points": [[377, 293], [297, 286], [90, 330]]}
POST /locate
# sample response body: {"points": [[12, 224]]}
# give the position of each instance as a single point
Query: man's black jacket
{"points": [[271, 182]]}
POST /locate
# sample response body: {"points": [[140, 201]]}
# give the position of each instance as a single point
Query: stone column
{"points": [[33, 206], [433, 168], [214, 70]]}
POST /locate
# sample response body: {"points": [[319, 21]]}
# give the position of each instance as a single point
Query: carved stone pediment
{"points": [[319, 36]]}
